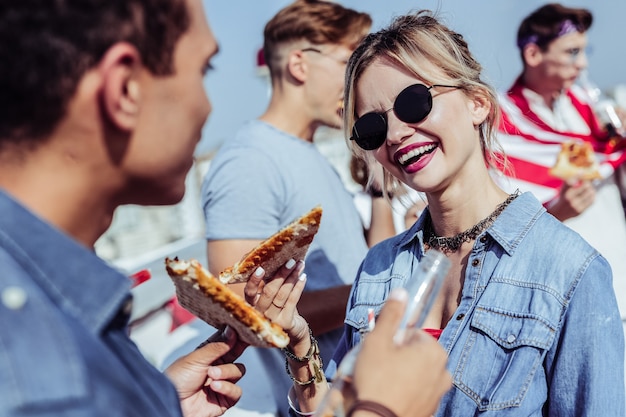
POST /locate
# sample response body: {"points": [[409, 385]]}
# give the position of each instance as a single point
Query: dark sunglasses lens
{"points": [[370, 131], [413, 103]]}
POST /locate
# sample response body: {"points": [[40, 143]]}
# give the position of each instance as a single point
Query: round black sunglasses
{"points": [[412, 105]]}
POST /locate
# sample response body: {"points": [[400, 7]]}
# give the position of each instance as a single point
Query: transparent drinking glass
{"points": [[422, 289]]}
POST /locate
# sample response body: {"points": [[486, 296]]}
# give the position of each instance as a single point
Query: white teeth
{"points": [[416, 152]]}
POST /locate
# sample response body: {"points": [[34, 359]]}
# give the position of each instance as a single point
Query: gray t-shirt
{"points": [[263, 179], [260, 181]]}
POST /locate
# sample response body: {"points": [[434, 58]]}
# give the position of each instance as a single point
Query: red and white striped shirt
{"points": [[531, 144]]}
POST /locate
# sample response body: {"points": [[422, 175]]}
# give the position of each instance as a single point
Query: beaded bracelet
{"points": [[314, 352], [314, 349], [293, 378], [371, 406], [317, 375]]}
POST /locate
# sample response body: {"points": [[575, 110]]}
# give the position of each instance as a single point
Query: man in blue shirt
{"points": [[102, 105]]}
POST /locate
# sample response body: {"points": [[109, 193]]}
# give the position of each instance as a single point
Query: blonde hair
{"points": [[418, 42]]}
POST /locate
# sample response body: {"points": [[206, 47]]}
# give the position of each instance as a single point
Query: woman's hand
{"points": [[205, 379], [277, 297]]}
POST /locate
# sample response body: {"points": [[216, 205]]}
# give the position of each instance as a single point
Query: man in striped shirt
{"points": [[543, 109]]}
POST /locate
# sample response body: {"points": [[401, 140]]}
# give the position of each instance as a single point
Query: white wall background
{"points": [[490, 27]]}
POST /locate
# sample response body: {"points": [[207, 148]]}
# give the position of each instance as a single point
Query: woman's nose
{"points": [[397, 130]]}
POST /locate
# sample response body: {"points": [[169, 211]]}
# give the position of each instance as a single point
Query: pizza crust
{"points": [[206, 297], [291, 242], [576, 160]]}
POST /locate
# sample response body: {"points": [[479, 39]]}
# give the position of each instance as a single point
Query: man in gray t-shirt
{"points": [[270, 172]]}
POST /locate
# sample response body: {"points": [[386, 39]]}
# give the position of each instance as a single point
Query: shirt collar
{"points": [[515, 221], [74, 277], [508, 230], [562, 116]]}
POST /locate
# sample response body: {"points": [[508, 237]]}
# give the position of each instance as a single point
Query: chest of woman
{"points": [[499, 324]]}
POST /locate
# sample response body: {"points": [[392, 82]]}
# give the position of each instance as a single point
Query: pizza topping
{"points": [[579, 155], [576, 160], [291, 242]]}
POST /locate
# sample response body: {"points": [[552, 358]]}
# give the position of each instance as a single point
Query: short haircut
{"points": [[46, 46], [548, 23], [315, 21]]}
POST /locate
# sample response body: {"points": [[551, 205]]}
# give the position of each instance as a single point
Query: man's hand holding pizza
{"points": [[205, 379], [574, 198], [577, 166]]}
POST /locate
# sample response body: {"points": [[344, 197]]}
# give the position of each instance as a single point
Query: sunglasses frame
{"points": [[404, 111]]}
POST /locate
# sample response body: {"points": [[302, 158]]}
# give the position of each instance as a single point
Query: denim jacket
{"points": [[64, 344], [537, 331]]}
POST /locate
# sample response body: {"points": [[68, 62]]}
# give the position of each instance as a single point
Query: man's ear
{"points": [[121, 93], [297, 66], [532, 55]]}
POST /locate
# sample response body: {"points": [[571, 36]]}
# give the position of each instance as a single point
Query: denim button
{"points": [[475, 262], [460, 316], [511, 338], [128, 307], [14, 297], [483, 238]]}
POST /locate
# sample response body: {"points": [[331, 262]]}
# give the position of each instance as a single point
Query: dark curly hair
{"points": [[46, 46]]}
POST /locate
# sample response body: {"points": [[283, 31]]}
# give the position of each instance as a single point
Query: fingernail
{"points": [[214, 372], [302, 277], [398, 294], [259, 271], [290, 264], [216, 384]]}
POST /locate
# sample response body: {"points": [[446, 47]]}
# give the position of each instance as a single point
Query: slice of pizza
{"points": [[576, 160], [210, 299], [291, 242], [205, 296]]}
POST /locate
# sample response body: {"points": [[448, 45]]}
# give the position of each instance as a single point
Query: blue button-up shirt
{"points": [[64, 345], [537, 331]]}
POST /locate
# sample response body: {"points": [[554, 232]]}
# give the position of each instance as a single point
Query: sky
{"points": [[238, 93]]}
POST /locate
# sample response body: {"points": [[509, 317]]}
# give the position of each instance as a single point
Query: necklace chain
{"points": [[453, 243]]}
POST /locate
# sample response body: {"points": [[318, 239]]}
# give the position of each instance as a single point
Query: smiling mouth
{"points": [[414, 155]]}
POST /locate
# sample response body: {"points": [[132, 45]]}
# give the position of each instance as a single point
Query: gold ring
{"points": [[276, 305]]}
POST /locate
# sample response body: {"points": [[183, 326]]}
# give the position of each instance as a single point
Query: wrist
{"points": [[303, 347]]}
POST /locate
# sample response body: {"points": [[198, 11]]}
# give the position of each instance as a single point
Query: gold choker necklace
{"points": [[453, 243]]}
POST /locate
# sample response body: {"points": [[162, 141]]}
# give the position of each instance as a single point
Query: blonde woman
{"points": [[527, 313]]}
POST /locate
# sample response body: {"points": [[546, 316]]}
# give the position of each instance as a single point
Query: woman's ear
{"points": [[121, 91], [479, 107]]}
